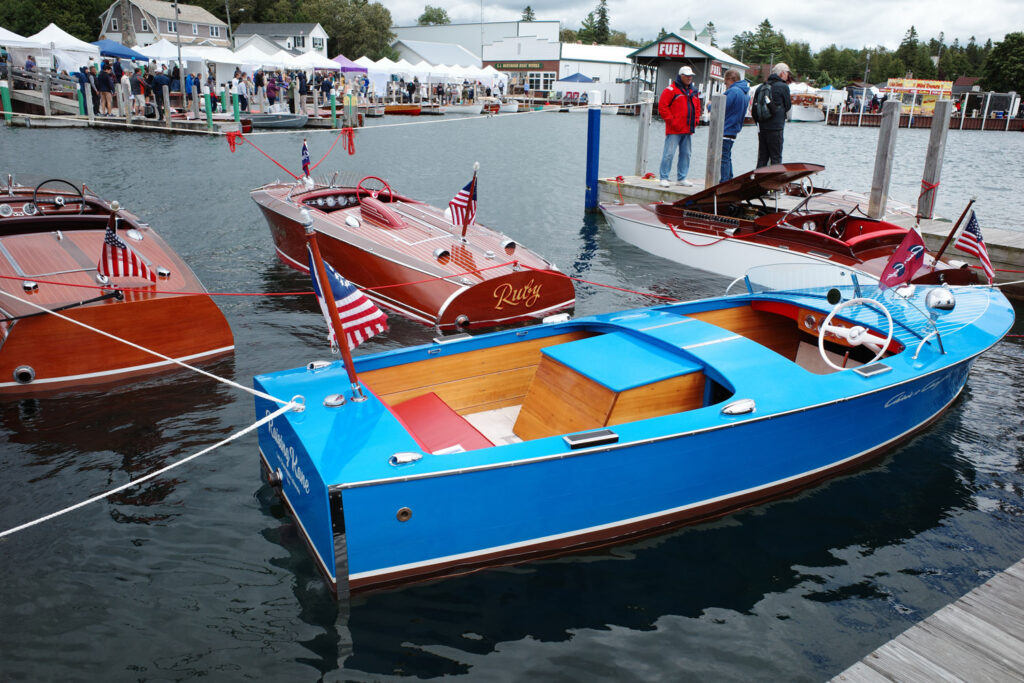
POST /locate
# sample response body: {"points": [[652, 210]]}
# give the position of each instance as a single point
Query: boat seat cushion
{"points": [[437, 427]]}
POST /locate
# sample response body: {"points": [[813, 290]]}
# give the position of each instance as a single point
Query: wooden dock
{"points": [[980, 637], [1005, 247], [855, 119]]}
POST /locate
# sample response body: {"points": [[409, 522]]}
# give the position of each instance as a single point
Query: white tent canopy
{"points": [[11, 39], [314, 60], [68, 52], [165, 51]]}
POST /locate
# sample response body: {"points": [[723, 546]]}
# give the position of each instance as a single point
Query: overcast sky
{"points": [[847, 23]]}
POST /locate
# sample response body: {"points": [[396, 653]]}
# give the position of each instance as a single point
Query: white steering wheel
{"points": [[856, 335]]}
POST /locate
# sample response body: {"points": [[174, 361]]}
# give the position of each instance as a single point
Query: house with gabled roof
{"points": [[291, 37], [137, 23]]}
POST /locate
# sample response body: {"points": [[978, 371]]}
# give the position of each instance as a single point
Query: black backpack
{"points": [[761, 109]]}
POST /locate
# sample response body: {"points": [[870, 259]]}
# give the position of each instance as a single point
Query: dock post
{"points": [[884, 156], [209, 107], [47, 105], [933, 159], [316, 103], [334, 108], [716, 129], [5, 99], [223, 98], [296, 101], [593, 148], [234, 106], [643, 129], [167, 106], [126, 105], [195, 102], [984, 114], [80, 96], [88, 106]]}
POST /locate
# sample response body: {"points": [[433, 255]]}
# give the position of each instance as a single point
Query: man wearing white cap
{"points": [[679, 108]]}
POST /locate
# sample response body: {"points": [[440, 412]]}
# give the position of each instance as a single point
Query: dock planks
{"points": [[980, 637]]}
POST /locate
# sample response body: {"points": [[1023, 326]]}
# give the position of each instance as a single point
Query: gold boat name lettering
{"points": [[526, 295]]}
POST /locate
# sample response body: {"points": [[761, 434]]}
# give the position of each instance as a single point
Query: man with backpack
{"points": [[679, 108], [769, 109]]}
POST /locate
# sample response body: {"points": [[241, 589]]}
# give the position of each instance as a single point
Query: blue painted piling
{"points": [[593, 148]]}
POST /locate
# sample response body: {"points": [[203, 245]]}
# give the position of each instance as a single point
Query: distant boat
{"points": [[806, 108], [399, 109], [464, 108], [503, 448], [730, 227], [278, 120], [411, 259], [51, 239]]}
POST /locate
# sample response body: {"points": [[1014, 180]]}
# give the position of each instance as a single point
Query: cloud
{"points": [[845, 23]]}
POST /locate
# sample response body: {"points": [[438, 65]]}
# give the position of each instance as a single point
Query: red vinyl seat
{"points": [[436, 426]]}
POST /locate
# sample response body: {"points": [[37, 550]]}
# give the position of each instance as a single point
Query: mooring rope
{"points": [[152, 475], [183, 364]]}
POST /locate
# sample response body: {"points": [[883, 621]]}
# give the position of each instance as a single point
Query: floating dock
{"points": [[980, 637], [1005, 247]]}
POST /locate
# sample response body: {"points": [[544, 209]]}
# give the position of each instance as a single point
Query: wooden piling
{"points": [[716, 129], [643, 129], [884, 156], [933, 159], [88, 105], [167, 105], [126, 104], [47, 86]]}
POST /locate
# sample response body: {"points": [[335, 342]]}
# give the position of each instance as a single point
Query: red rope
{"points": [[598, 284], [618, 184], [348, 132], [235, 137], [928, 187]]}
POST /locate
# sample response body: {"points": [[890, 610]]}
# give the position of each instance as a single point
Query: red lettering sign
{"points": [[716, 69], [671, 50]]}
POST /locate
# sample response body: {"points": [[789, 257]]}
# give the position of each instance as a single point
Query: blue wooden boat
{"points": [[497, 449]]}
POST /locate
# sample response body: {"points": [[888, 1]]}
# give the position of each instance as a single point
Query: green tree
{"points": [[356, 28], [662, 33], [80, 18], [1004, 68], [801, 61], [602, 30], [765, 45], [588, 29], [567, 35], [713, 32], [433, 16], [528, 14]]}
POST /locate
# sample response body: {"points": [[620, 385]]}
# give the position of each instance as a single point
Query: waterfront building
{"points": [[138, 23], [296, 38]]}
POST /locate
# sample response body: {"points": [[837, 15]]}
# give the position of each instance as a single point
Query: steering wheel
{"points": [[832, 224], [374, 193], [60, 201], [856, 335]]}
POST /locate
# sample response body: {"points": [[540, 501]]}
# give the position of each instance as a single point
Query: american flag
{"points": [[118, 259], [463, 205], [970, 241], [359, 317], [305, 158]]}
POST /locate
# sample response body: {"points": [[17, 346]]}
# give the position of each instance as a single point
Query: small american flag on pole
{"points": [[360, 318], [970, 241], [118, 259], [305, 158], [463, 204]]}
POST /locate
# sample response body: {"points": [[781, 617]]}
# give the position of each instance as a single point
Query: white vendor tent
{"points": [[20, 47], [11, 39], [68, 52], [315, 60]]}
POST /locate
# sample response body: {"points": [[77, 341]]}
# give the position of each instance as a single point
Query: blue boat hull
{"points": [[453, 513]]}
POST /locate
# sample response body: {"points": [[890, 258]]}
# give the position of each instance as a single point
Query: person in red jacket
{"points": [[679, 108]]}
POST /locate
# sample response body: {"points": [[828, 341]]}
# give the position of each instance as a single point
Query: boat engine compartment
{"points": [[591, 376]]}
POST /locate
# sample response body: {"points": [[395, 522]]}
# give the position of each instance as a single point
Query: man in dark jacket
{"points": [[159, 81], [737, 99], [679, 108], [769, 133]]}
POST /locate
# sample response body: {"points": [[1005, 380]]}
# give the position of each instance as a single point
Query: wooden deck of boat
{"points": [[979, 637], [1005, 247]]}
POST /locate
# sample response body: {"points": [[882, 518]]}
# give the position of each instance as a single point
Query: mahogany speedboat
{"points": [[410, 259], [730, 228], [51, 240]]}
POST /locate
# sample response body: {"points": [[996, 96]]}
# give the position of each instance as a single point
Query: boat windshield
{"points": [[800, 277]]}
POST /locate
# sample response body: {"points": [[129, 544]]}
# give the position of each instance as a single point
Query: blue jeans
{"points": [[682, 142], [726, 159]]}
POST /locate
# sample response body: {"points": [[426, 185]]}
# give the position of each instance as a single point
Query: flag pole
{"points": [[955, 228], [332, 306], [472, 193]]}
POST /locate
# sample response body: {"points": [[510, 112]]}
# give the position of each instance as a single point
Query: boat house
{"points": [[657, 63]]}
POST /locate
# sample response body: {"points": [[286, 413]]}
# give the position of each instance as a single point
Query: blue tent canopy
{"points": [[112, 48], [577, 78]]}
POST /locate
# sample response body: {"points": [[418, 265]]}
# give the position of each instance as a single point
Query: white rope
{"points": [[229, 382], [151, 475]]}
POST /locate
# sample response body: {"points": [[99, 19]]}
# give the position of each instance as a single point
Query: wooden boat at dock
{"points": [[278, 121], [730, 228], [399, 109], [51, 239], [468, 108], [503, 448], [409, 257]]}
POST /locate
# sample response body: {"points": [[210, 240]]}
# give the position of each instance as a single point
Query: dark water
{"points": [[199, 574]]}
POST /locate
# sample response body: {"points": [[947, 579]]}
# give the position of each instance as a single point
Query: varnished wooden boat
{"points": [[397, 109], [734, 226], [51, 238], [409, 257]]}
